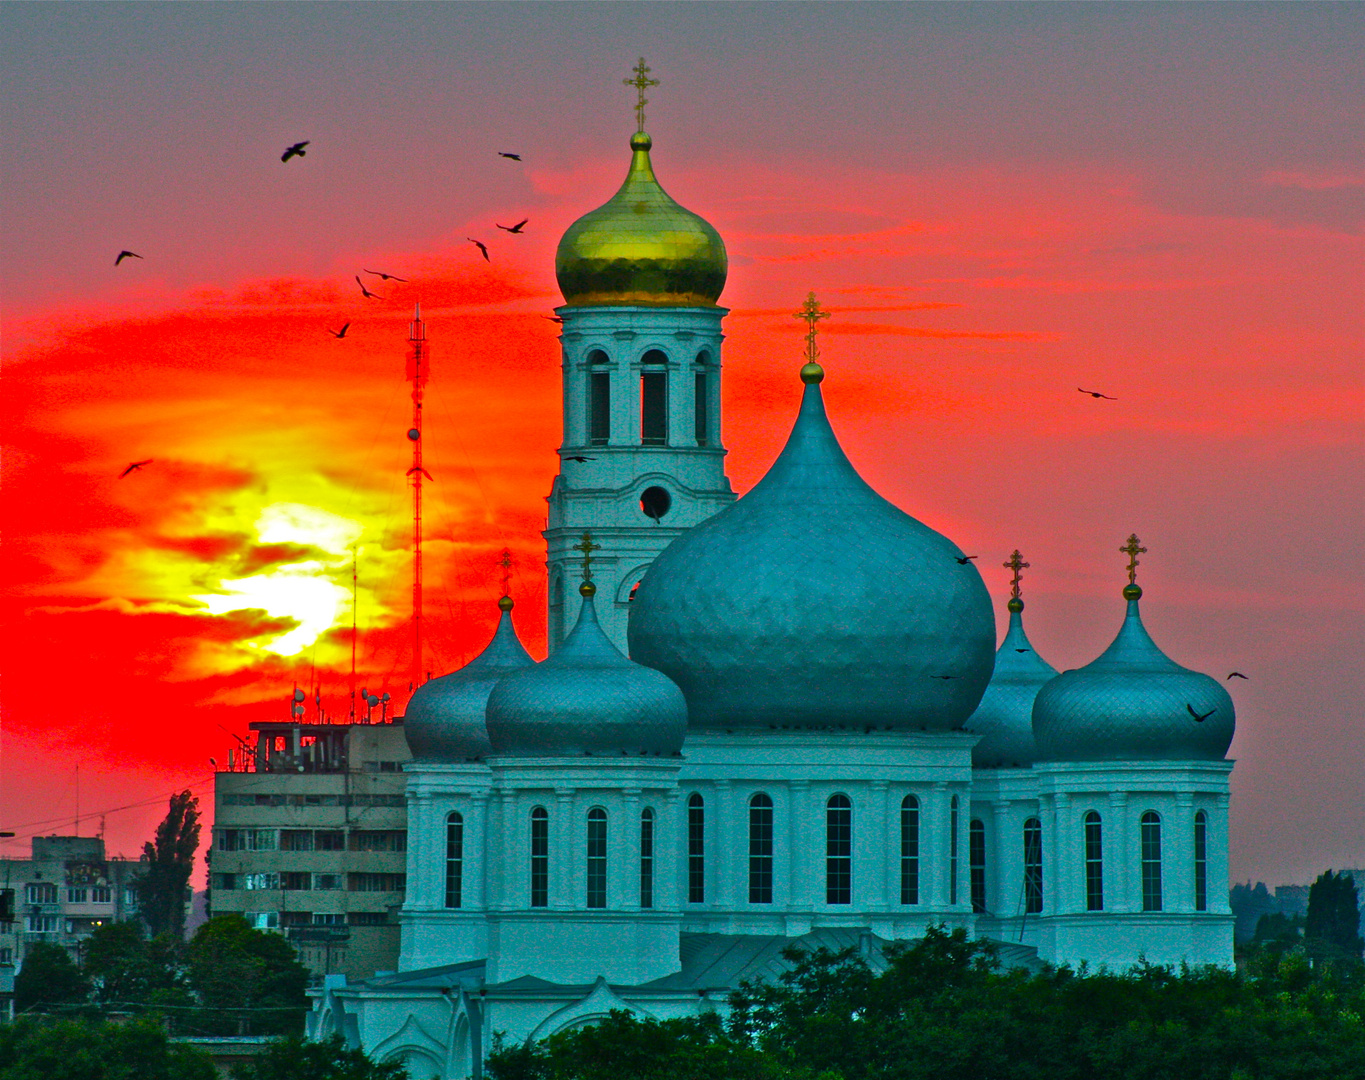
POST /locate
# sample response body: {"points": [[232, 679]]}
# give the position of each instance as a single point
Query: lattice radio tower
{"points": [[419, 370]]}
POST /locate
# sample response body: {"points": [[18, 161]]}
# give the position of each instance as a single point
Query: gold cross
{"points": [[811, 314], [506, 563], [587, 547], [1017, 564], [1133, 550], [641, 82]]}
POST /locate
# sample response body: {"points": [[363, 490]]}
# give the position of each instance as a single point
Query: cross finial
{"points": [[811, 313], [641, 82], [506, 563], [587, 547], [1133, 549], [1017, 565]]}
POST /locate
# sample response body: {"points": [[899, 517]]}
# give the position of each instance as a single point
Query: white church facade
{"points": [[777, 719]]}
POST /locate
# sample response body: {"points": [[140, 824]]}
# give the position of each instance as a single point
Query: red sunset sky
{"points": [[999, 203]]}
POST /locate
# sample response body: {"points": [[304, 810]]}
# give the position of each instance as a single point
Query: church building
{"points": [[770, 720]]}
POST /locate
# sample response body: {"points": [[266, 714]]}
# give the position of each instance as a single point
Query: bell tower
{"points": [[641, 459]]}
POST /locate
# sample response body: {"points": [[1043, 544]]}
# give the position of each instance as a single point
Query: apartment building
{"points": [[310, 839]]}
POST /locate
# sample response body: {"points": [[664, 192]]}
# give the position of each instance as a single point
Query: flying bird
{"points": [[126, 255], [297, 150], [481, 246], [1023, 650], [966, 559], [943, 676], [1237, 675], [504, 153], [553, 318], [1200, 718], [366, 292], [134, 467], [513, 228], [339, 333], [385, 277], [580, 458], [1097, 394]]}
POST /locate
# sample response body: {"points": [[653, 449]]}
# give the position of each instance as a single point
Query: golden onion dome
{"points": [[641, 248]]}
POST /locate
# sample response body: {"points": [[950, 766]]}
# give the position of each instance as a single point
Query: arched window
{"points": [[597, 857], [653, 398], [1033, 866], [454, 859], [540, 857], [838, 850], [976, 863], [952, 850], [1150, 832], [696, 849], [646, 858], [701, 406], [599, 398], [760, 849], [909, 850], [1094, 862], [1201, 861]]}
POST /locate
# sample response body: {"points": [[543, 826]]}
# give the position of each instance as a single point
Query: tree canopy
{"points": [[49, 979], [247, 981], [294, 1059], [168, 861], [1332, 928], [82, 1050]]}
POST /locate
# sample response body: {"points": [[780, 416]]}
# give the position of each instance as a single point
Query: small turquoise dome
{"points": [[1133, 703], [812, 602], [1004, 719], [586, 700], [445, 717]]}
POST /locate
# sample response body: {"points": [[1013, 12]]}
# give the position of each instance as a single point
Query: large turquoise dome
{"points": [[1133, 703], [445, 717], [1004, 719], [813, 602]]}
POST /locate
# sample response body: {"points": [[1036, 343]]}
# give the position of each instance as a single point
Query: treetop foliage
{"points": [[168, 861]]}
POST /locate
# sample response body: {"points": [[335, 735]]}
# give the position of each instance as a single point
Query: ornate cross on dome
{"points": [[587, 547], [641, 82], [811, 314], [1133, 549], [506, 563], [1016, 563]]}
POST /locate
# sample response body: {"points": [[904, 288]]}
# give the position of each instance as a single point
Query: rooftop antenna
{"points": [[78, 800], [418, 372], [355, 590]]}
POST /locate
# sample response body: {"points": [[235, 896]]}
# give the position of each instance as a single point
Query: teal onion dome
{"points": [[445, 717], [1133, 703], [813, 602], [1004, 719], [586, 700]]}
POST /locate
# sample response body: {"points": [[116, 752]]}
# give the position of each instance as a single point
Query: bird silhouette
{"points": [[366, 292], [297, 150], [134, 467], [1023, 650], [126, 255], [943, 676], [966, 559], [1237, 675], [504, 153], [1198, 717], [579, 457], [339, 333], [553, 318], [1097, 394], [385, 277], [513, 228], [481, 246]]}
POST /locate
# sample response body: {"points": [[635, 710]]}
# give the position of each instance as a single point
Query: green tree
{"points": [[294, 1059], [247, 981], [1332, 928], [48, 980], [168, 861], [127, 970], [82, 1050]]}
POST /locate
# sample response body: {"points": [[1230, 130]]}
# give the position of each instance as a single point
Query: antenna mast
{"points": [[418, 372], [355, 589]]}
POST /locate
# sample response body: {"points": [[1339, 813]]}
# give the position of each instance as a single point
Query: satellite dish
{"points": [[298, 710], [384, 698], [298, 695], [364, 693], [414, 434], [372, 701]]}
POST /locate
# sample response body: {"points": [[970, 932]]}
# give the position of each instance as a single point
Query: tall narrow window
{"points": [[454, 859], [838, 850], [653, 398], [597, 858], [760, 849], [910, 850], [1094, 863], [700, 401], [599, 399], [1150, 834], [1201, 861], [952, 850], [540, 857], [646, 858], [696, 849], [1033, 866], [976, 863]]}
